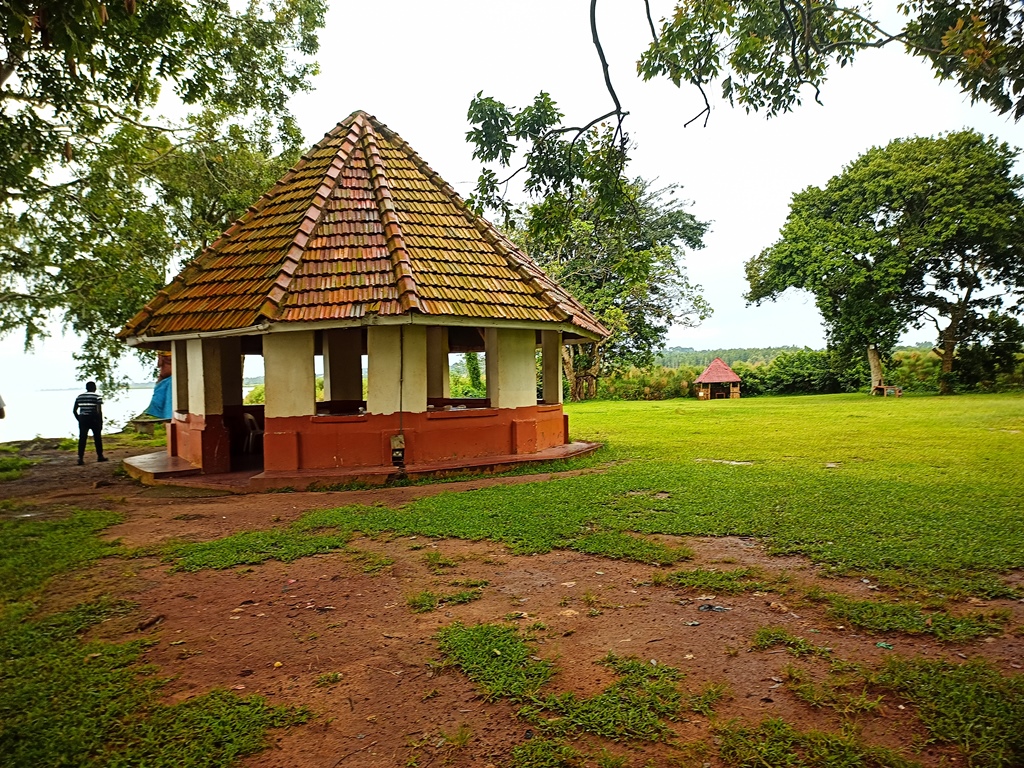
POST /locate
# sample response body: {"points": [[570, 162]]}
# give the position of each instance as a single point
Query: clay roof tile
{"points": [[360, 226]]}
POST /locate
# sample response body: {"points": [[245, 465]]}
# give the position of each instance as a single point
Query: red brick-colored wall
{"points": [[202, 440], [325, 442]]}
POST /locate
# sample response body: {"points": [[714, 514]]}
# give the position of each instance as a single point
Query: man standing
{"points": [[89, 412]]}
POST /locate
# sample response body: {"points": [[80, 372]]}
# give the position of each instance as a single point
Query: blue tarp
{"points": [[160, 405]]}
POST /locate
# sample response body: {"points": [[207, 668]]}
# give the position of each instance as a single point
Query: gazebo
{"points": [[363, 255], [718, 382]]}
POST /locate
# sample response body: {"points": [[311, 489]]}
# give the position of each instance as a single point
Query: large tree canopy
{"points": [[99, 196], [765, 57], [100, 248], [72, 69], [625, 265], [924, 230], [615, 243], [769, 55]]}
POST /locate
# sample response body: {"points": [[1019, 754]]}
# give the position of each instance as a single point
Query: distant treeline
{"points": [[805, 371], [677, 357]]}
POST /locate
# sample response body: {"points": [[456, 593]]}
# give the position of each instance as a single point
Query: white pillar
{"points": [[289, 377], [205, 389], [343, 364], [551, 354], [511, 367], [396, 369], [438, 379], [179, 375]]}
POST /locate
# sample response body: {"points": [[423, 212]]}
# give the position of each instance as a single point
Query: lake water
{"points": [[48, 413]]}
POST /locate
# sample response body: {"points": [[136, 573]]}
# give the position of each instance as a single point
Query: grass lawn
{"points": [[918, 492], [921, 494]]}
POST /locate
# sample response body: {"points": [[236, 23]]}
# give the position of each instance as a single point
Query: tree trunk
{"points": [[946, 353], [950, 336], [875, 362], [569, 371], [581, 377]]}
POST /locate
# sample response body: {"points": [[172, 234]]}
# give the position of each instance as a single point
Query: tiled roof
{"points": [[717, 373], [360, 226]]}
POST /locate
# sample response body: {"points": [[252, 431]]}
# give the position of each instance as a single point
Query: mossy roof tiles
{"points": [[360, 226]]}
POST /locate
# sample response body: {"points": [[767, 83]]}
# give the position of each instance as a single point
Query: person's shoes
{"points": [[81, 462], [102, 458]]}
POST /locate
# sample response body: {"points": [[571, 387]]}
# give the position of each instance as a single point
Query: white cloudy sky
{"points": [[416, 65]]}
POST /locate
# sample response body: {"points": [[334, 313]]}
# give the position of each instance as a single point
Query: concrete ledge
{"points": [[161, 469], [152, 467]]}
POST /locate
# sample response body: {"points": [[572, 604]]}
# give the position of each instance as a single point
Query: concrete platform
{"points": [[153, 467], [162, 469]]}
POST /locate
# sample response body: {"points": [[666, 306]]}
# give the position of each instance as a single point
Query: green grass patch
{"points": [[546, 753], [722, 582], [135, 439], [777, 744], [495, 658], [254, 547], [645, 697], [877, 616], [847, 694], [426, 601], [636, 706], [703, 703], [470, 583], [770, 637], [370, 562], [436, 562], [94, 704], [624, 546], [913, 492], [971, 705], [32, 551], [328, 679], [12, 467]]}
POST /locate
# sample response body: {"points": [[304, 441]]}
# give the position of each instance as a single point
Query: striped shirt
{"points": [[87, 405]]}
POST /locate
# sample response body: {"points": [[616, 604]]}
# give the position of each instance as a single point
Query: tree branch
{"points": [[604, 60]]}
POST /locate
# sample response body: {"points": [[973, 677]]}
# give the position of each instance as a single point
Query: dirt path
{"points": [[322, 633]]}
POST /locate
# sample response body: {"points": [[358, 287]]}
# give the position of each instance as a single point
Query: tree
{"points": [[97, 196], [626, 269], [615, 244], [991, 349], [924, 230], [71, 70], [767, 55], [98, 249]]}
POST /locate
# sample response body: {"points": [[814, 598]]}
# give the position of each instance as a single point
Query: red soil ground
{"points": [[274, 629]]}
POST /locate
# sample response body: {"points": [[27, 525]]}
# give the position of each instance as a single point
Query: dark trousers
{"points": [[85, 425]]}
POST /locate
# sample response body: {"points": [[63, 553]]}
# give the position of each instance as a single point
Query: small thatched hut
{"points": [[718, 382]]}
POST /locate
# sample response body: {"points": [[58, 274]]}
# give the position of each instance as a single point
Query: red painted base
{"points": [[215, 443]]}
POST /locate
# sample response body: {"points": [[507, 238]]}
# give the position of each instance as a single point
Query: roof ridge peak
{"points": [[293, 256], [405, 280]]}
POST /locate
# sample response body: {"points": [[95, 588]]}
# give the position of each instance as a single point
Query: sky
{"points": [[416, 66]]}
